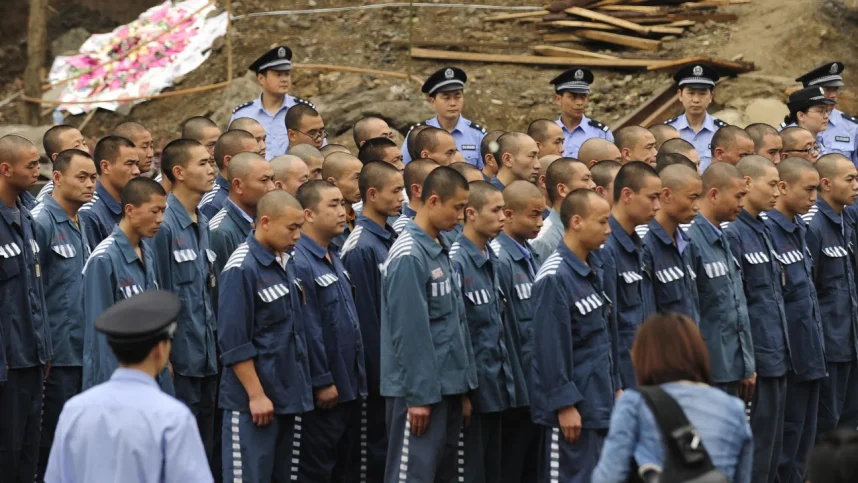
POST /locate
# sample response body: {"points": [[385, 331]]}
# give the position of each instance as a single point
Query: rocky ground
{"points": [[783, 37]]}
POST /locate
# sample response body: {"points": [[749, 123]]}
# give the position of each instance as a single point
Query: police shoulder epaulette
{"points": [[477, 127], [242, 106], [719, 122], [783, 125], [850, 118], [413, 126], [305, 101], [599, 125], [671, 120]]}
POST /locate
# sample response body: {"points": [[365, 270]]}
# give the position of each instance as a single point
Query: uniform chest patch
{"points": [[437, 273], [842, 139], [469, 147]]}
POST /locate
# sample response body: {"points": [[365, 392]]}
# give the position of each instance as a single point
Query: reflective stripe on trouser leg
{"points": [[296, 449], [236, 448], [460, 456], [363, 441], [554, 456], [403, 460]]}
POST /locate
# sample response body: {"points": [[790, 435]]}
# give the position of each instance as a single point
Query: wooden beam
{"points": [[641, 115], [583, 25], [604, 3], [680, 23], [644, 9], [561, 5], [552, 51], [664, 30], [37, 38], [560, 38], [515, 16], [601, 17], [617, 39], [733, 67], [530, 59]]}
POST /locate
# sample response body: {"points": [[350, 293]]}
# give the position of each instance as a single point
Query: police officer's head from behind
{"points": [[185, 163], [469, 171], [143, 204], [381, 189], [572, 92], [730, 144], [682, 188], [371, 127], [696, 88], [290, 172], [116, 161], [304, 125], [585, 217], [204, 131], [603, 174], [444, 196], [274, 71], [324, 212], [231, 143], [724, 191], [799, 142], [664, 160], [250, 178], [139, 330], [799, 184], [595, 150], [436, 144], [484, 215], [761, 176], [74, 178], [767, 142], [311, 156], [523, 205], [445, 91], [19, 165], [254, 128], [381, 149], [343, 170], [488, 152], [548, 136], [519, 158], [414, 176], [838, 180], [680, 146], [143, 143], [564, 176], [62, 137], [663, 132], [279, 218], [635, 144], [834, 459], [636, 191]]}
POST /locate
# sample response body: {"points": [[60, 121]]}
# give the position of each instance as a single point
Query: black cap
{"points": [[278, 58], [826, 75], [444, 80], [576, 79], [143, 317], [808, 97], [696, 76]]}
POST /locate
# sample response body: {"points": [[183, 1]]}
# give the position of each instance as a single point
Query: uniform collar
{"points": [[709, 230], [382, 232], [658, 230], [708, 123], [7, 212], [785, 223], [237, 213], [625, 240], [584, 122], [834, 118], [179, 211], [107, 198], [554, 216], [133, 375], [263, 255], [434, 248], [310, 245], [754, 222], [478, 257], [409, 212], [124, 245], [576, 263], [461, 124], [221, 182], [826, 209], [287, 103], [512, 247], [55, 210]]}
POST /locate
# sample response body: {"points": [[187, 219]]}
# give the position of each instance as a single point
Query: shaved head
{"points": [[629, 136], [830, 165], [578, 203], [478, 194], [795, 138], [274, 203], [231, 143], [759, 131], [730, 144], [370, 127], [311, 156], [545, 162], [195, 127], [244, 124], [678, 176], [333, 148], [376, 174], [12, 146], [130, 130], [411, 142], [662, 133], [680, 146], [754, 166], [241, 165], [604, 173], [290, 172], [548, 136], [416, 172], [792, 169], [563, 171], [594, 150], [336, 163], [663, 160], [517, 194], [720, 176]]}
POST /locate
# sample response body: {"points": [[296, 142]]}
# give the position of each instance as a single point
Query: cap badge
{"points": [[448, 74], [821, 91], [833, 68], [697, 71], [579, 74], [281, 52]]}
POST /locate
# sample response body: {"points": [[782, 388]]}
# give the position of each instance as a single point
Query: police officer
{"points": [[829, 238], [445, 91], [26, 347], [274, 74], [127, 429], [185, 266], [363, 255], [414, 176], [762, 277], [575, 377], [572, 95], [333, 336], [56, 140], [696, 92], [427, 363], [119, 267], [63, 250], [811, 110], [475, 263], [229, 144], [518, 159], [841, 135], [265, 388], [636, 191], [516, 267], [343, 170], [116, 162], [564, 176], [667, 253], [798, 184], [724, 320]]}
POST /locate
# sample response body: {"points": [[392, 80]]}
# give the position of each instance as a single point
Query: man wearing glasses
{"points": [[304, 125], [842, 133], [799, 142]]}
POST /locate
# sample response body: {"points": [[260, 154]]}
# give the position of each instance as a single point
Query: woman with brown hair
{"points": [[668, 351]]}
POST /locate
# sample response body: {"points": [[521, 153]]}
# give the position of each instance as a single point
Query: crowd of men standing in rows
{"points": [[460, 309]]}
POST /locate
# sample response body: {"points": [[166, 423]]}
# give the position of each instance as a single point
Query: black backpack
{"points": [[685, 458]]}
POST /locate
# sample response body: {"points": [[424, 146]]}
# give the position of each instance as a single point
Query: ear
{"points": [[782, 187], [470, 213], [331, 180], [575, 222], [562, 190], [507, 213], [558, 98], [291, 134], [591, 163], [541, 181], [278, 185], [309, 216], [54, 156], [719, 152], [626, 155], [371, 193], [601, 191], [713, 194], [105, 166], [506, 159], [55, 176], [539, 145], [260, 77], [825, 184], [748, 181], [226, 159], [178, 173], [784, 156], [626, 195], [664, 195]]}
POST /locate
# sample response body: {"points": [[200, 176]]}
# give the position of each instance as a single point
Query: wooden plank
{"points": [[515, 16], [618, 39], [734, 67], [561, 5], [552, 51], [600, 17], [560, 38], [583, 25], [604, 3], [639, 116], [644, 9], [664, 30], [681, 23], [530, 59]]}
